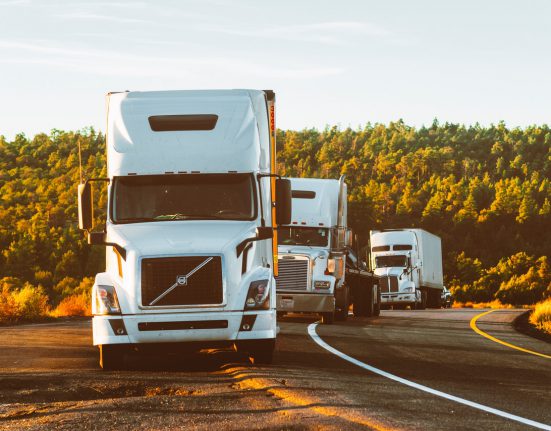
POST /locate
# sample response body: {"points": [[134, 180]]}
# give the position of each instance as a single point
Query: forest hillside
{"points": [[485, 190]]}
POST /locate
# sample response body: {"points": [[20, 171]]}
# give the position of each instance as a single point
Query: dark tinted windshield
{"points": [[303, 236], [389, 261], [182, 197]]}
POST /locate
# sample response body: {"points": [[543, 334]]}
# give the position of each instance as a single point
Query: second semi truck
{"points": [[312, 250]]}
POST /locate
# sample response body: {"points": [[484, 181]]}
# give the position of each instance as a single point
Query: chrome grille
{"points": [[389, 284], [202, 287], [293, 274]]}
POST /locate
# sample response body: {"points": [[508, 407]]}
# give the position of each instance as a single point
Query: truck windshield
{"points": [[183, 197], [391, 261], [315, 237]]}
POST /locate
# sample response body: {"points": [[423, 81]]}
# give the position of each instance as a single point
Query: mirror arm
{"points": [[120, 249], [243, 244], [265, 233]]}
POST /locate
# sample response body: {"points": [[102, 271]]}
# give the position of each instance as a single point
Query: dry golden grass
{"points": [[495, 304], [541, 317]]}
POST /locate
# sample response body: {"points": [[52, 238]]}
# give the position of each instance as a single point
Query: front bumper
{"points": [[305, 302], [397, 298], [140, 329]]}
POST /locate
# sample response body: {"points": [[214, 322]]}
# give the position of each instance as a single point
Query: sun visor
{"points": [[185, 131]]}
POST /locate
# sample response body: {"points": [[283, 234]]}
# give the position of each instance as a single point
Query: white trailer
{"points": [[312, 250], [409, 263], [191, 212]]}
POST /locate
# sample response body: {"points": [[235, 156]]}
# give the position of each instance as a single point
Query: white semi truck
{"points": [[409, 264], [312, 250], [193, 201]]}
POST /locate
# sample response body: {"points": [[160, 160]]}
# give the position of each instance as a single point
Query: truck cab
{"points": [[192, 207], [312, 250]]}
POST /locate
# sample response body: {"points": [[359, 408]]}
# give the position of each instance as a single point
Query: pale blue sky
{"points": [[330, 62]]}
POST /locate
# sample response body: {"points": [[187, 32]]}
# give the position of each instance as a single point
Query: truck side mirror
{"points": [[96, 238], [263, 232], [283, 201], [85, 206]]}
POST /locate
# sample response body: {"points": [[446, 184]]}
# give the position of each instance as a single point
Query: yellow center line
{"points": [[497, 340]]}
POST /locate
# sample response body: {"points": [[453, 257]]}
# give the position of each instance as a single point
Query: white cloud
{"points": [[99, 17], [15, 2], [114, 63], [333, 33]]}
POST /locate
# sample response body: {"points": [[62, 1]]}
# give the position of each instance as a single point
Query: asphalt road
{"points": [[49, 379]]}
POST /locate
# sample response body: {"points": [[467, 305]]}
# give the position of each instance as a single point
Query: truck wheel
{"points": [[262, 352], [111, 357], [423, 304], [433, 299], [357, 307], [369, 304], [341, 314], [328, 318], [377, 306]]}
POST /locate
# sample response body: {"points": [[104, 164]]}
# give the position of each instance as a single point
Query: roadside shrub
{"points": [[8, 306], [74, 305], [28, 303], [541, 316], [31, 301], [66, 286]]}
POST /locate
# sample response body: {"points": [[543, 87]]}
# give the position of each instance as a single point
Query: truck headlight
{"points": [[257, 297], [409, 289], [106, 300], [321, 284]]}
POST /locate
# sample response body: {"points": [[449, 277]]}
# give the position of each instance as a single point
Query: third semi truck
{"points": [[409, 264]]}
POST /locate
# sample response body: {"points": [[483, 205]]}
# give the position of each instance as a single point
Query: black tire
{"points": [[377, 306], [262, 352], [423, 304], [434, 299], [357, 307], [369, 304], [341, 314], [328, 318], [111, 357]]}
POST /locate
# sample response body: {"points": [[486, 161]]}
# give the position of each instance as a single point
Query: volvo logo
{"points": [[181, 280]]}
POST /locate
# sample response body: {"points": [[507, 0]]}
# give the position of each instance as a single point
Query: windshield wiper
{"points": [[134, 219], [189, 217]]}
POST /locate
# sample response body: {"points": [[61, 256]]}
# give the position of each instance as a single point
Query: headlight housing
{"points": [[409, 289], [322, 284], [257, 296], [106, 300]]}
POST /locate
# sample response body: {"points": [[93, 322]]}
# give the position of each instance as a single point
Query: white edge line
{"points": [[319, 341]]}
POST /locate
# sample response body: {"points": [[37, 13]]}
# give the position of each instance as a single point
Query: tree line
{"points": [[485, 190]]}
